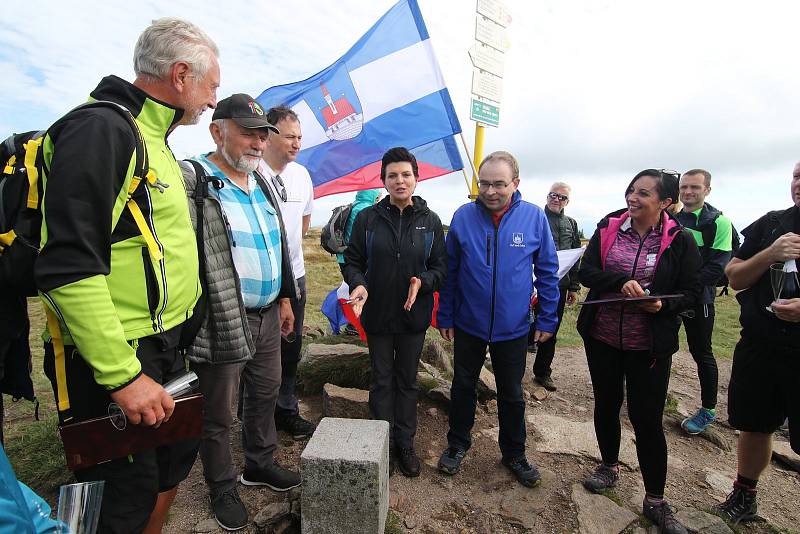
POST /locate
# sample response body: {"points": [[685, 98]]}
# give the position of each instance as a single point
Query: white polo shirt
{"points": [[299, 202]]}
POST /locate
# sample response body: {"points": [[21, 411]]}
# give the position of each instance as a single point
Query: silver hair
{"points": [[221, 124], [169, 40], [561, 185]]}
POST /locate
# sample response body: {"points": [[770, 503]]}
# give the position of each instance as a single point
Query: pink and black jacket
{"points": [[677, 270]]}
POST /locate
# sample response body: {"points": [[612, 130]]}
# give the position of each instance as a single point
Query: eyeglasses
{"points": [[497, 186], [277, 183], [552, 195]]}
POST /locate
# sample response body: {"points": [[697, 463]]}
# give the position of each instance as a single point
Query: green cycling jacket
{"points": [[94, 269]]}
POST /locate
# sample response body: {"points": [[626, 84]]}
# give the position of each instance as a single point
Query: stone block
{"points": [[349, 403], [345, 474]]}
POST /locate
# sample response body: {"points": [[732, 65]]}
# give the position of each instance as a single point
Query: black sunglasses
{"points": [[557, 196], [277, 182]]}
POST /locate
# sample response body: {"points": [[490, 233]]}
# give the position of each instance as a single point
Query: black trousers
{"points": [[698, 334], [508, 363], [290, 357], [132, 484], [393, 388], [614, 373], [545, 352]]}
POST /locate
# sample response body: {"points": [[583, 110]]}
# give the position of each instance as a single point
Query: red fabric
{"points": [[347, 309], [350, 315], [497, 215]]}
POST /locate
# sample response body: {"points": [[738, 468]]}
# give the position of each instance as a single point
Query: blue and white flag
{"points": [[386, 91]]}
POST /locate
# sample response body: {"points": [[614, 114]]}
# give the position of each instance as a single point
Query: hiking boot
{"points": [[408, 462], [739, 507], [450, 460], [546, 382], [274, 477], [228, 509], [603, 478], [699, 421], [663, 515], [526, 474], [295, 426]]}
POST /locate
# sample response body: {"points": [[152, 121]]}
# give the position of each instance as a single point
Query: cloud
{"points": [[594, 90]]}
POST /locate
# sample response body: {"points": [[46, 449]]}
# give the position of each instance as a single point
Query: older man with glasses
{"points": [[565, 236]]}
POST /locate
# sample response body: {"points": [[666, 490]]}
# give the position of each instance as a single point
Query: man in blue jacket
{"points": [[494, 247]]}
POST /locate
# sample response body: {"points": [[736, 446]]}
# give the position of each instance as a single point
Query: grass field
{"points": [[35, 448]]}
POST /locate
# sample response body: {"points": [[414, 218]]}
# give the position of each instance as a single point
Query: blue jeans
{"points": [[508, 362]]}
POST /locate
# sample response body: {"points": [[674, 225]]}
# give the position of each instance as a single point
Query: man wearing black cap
{"points": [[250, 287]]}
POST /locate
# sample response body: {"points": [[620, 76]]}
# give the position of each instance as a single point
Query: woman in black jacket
{"points": [[396, 257], [637, 252]]}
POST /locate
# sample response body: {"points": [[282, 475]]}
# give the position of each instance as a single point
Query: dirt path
{"points": [[483, 497]]}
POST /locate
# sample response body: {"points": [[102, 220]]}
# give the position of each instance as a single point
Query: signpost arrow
{"points": [[487, 58]]}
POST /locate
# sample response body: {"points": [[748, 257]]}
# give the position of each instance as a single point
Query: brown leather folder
{"points": [[95, 441]]}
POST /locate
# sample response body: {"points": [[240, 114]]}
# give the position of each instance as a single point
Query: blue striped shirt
{"points": [[255, 236]]}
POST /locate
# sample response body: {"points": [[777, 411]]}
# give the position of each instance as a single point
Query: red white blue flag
{"points": [[386, 91]]}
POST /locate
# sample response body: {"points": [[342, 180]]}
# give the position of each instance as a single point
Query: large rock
{"points": [[341, 364], [345, 475], [272, 514], [440, 395], [437, 355], [598, 514], [349, 403], [487, 387], [562, 436], [782, 452], [701, 522]]}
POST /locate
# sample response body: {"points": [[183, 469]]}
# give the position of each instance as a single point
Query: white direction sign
{"points": [[495, 10], [490, 33], [487, 85], [487, 58]]}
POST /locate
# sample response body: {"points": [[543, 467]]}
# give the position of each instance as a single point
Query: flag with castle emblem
{"points": [[386, 91]]}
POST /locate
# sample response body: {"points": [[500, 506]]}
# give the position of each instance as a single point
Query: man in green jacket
{"points": [[122, 283]]}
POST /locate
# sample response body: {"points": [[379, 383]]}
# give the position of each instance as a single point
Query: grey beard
{"points": [[243, 164]]}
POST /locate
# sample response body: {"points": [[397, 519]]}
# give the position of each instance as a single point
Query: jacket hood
{"points": [[160, 115], [368, 196], [612, 222]]}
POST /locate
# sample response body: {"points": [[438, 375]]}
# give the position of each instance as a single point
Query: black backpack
{"points": [[709, 233], [21, 199], [332, 237]]}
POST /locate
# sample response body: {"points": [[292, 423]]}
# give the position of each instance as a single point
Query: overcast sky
{"points": [[594, 91]]}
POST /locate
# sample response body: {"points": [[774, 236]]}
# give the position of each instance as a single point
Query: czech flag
{"points": [[386, 91]]}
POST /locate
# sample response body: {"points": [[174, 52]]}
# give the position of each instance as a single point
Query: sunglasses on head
{"points": [[670, 172], [552, 195]]}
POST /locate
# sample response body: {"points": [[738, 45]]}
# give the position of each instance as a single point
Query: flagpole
{"points": [[471, 186], [478, 155]]}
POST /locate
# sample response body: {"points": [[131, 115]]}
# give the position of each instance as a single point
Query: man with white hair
{"points": [[565, 236], [118, 264], [251, 287]]}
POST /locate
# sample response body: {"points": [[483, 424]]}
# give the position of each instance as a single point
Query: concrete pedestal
{"points": [[345, 472]]}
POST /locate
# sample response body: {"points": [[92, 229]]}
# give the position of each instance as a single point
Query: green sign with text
{"points": [[485, 113]]}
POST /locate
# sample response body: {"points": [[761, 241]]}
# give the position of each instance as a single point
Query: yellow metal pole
{"points": [[477, 155]]}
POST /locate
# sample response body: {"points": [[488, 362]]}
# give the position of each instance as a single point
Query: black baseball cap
{"points": [[244, 111]]}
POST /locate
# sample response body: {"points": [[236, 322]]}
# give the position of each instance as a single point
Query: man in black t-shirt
{"points": [[765, 379]]}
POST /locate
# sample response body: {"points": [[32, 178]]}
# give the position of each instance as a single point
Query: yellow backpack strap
{"points": [[138, 216], [31, 152], [60, 360], [7, 238], [9, 168]]}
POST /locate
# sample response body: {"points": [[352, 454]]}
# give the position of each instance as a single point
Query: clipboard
{"points": [[95, 441], [623, 299]]}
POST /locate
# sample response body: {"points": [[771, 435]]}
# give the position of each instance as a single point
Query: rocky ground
{"points": [[484, 498]]}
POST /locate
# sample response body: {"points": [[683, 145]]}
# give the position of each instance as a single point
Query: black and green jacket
{"points": [[94, 269]]}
